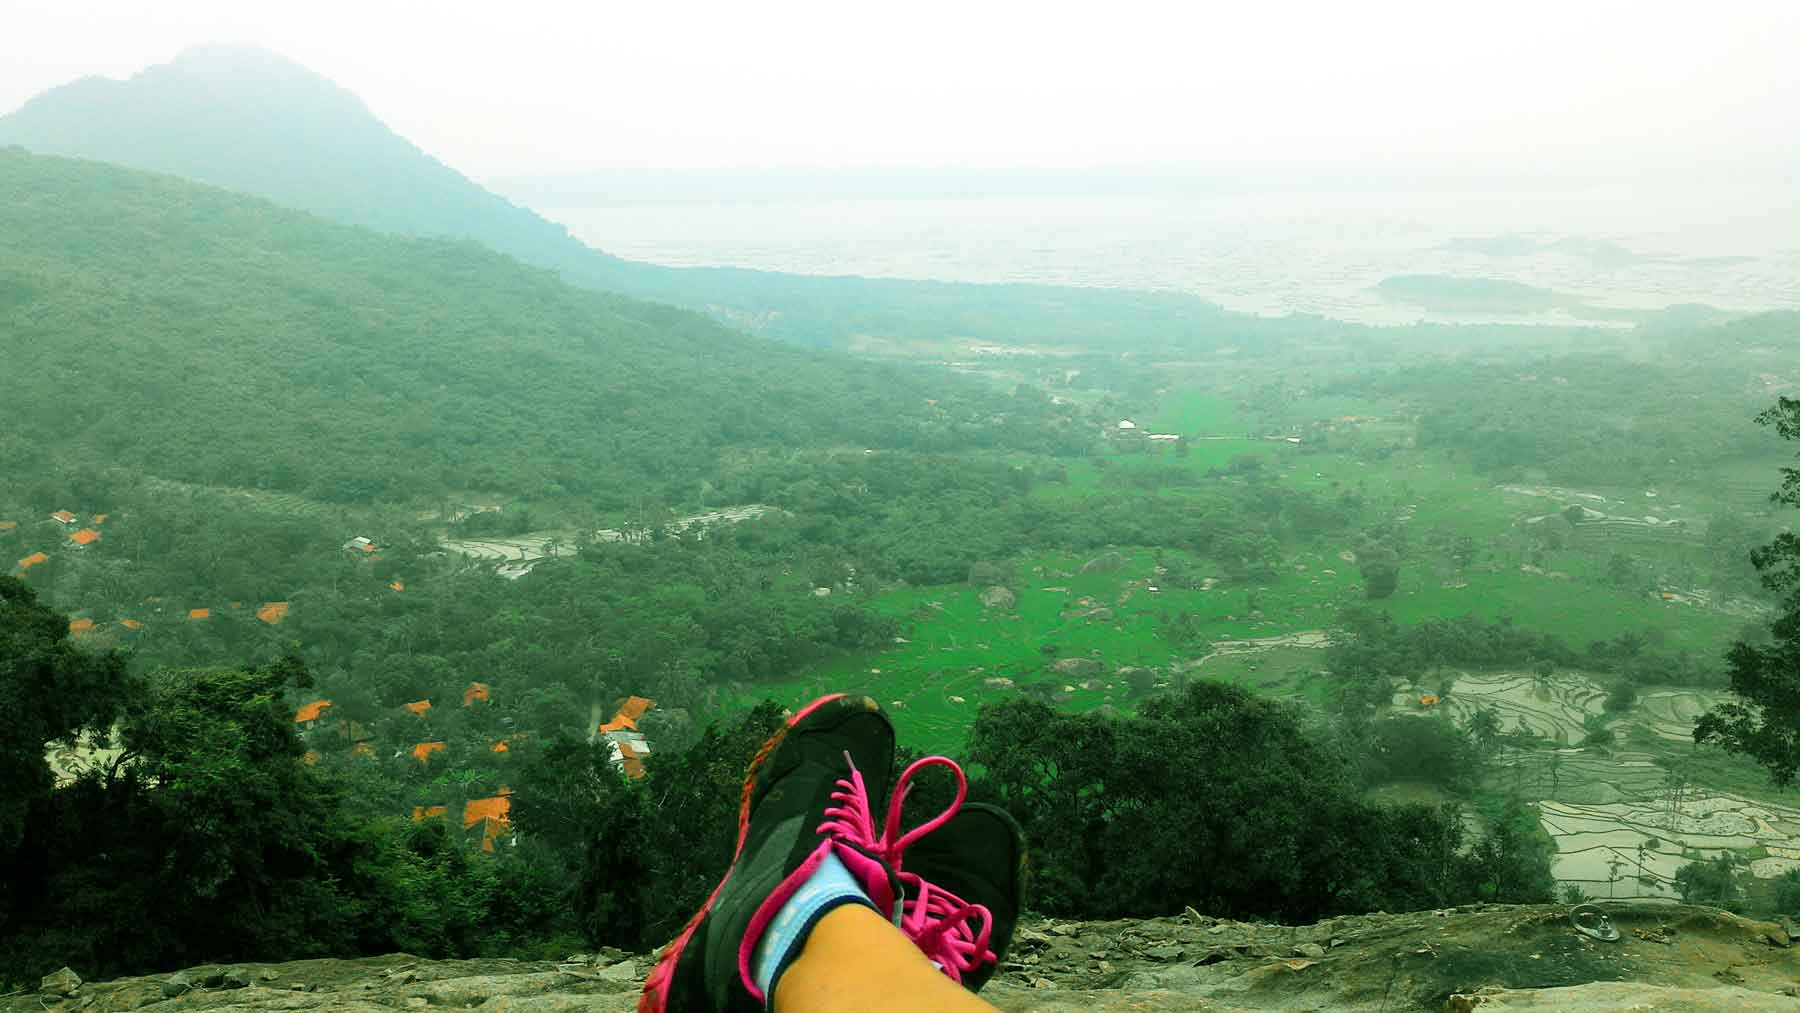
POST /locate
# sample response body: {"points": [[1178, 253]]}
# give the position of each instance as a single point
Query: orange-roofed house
{"points": [[81, 625], [131, 624], [273, 612], [63, 517], [476, 691], [491, 813], [32, 560], [629, 746], [1428, 700], [422, 752], [369, 548], [99, 519], [418, 707], [422, 813], [502, 747], [199, 613], [479, 809], [86, 536], [628, 759], [311, 758], [310, 713], [398, 586]]}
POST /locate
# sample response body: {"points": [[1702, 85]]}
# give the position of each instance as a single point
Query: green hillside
{"points": [[252, 121], [193, 334]]}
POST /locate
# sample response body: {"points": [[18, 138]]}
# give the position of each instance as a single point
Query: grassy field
{"points": [[954, 645]]}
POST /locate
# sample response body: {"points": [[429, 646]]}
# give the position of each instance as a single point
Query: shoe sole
{"points": [[655, 998]]}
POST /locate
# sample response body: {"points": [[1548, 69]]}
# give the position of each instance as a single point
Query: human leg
{"points": [[855, 961]]}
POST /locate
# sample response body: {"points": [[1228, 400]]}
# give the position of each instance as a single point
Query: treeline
{"points": [[1578, 419], [1375, 653], [1234, 805]]}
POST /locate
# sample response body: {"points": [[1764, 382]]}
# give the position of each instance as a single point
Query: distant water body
{"points": [[1266, 253]]}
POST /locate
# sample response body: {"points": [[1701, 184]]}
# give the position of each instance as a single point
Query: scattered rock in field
{"points": [[998, 682], [1106, 562], [1079, 668], [998, 598], [1309, 950]]}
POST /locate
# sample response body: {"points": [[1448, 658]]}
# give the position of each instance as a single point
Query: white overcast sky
{"points": [[528, 86]]}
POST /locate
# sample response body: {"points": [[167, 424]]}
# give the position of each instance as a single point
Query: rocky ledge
{"points": [[1487, 957]]}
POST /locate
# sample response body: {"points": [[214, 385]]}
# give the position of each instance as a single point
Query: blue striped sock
{"points": [[830, 886]]}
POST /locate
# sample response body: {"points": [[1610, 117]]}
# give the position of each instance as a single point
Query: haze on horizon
{"points": [[533, 88]]}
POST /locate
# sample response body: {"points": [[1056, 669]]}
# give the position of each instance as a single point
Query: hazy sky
{"points": [[528, 86]]}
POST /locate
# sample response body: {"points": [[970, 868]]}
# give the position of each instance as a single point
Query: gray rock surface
{"points": [[999, 598], [1479, 957], [63, 982]]}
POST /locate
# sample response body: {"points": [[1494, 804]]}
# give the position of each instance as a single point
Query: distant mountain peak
{"points": [[235, 54]]}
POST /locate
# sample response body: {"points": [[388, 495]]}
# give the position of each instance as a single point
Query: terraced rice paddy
{"points": [[1554, 711], [1634, 847]]}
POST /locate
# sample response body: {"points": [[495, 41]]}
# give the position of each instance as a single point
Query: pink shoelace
{"points": [[940, 924]]}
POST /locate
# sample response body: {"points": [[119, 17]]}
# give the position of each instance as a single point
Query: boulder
{"points": [[1078, 668], [1106, 562], [236, 977], [63, 982], [624, 971], [998, 598]]}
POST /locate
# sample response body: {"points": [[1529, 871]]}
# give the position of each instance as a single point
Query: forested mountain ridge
{"points": [[220, 339], [249, 120]]}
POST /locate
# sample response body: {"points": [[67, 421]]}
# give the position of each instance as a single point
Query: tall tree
{"points": [[54, 692], [1764, 721]]}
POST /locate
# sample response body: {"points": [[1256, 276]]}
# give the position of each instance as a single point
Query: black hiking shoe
{"points": [[808, 790], [978, 859]]}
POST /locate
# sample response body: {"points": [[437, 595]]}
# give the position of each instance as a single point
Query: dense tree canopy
{"points": [[303, 357], [1229, 803], [1764, 720]]}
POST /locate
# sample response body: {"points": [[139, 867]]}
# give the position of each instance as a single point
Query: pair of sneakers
{"points": [[951, 884]]}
